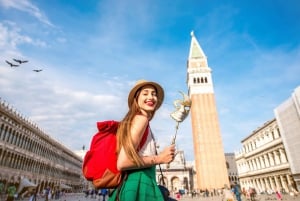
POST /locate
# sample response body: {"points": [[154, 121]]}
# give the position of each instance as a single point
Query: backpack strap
{"points": [[144, 138]]}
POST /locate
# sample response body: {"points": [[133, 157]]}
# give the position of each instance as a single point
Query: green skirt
{"points": [[140, 185]]}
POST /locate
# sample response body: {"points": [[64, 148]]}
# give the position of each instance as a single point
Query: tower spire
{"points": [[196, 51], [199, 78]]}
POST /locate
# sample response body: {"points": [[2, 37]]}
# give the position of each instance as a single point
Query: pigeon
{"points": [[11, 64], [37, 70], [20, 61]]}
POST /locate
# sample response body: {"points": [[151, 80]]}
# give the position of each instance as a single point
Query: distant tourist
{"points": [[227, 194], [11, 191], [103, 193], [278, 195], [237, 191]]}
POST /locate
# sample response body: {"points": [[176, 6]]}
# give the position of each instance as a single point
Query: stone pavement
{"points": [[81, 197]]}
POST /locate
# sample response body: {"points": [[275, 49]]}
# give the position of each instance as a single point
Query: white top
{"points": [[148, 148]]}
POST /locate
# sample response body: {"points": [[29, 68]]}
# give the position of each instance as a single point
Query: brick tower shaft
{"points": [[211, 170]]}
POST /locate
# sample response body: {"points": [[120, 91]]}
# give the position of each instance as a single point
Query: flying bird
{"points": [[11, 64], [20, 61], [37, 70]]}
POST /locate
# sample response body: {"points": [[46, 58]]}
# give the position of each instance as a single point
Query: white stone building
{"points": [[31, 158], [262, 163], [269, 159], [178, 175]]}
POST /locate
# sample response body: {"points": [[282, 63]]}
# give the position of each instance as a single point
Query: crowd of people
{"points": [[100, 193], [236, 193], [11, 193]]}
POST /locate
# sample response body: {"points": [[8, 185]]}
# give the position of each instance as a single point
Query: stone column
{"points": [[263, 184], [272, 162], [250, 165], [2, 157], [273, 186], [283, 182], [245, 166], [276, 134], [282, 156], [247, 183], [255, 166], [267, 182], [262, 162], [258, 184], [252, 182], [258, 163], [266, 160], [289, 180], [278, 186], [277, 159]]}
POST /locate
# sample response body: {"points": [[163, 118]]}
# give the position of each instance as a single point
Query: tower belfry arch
{"points": [[210, 163]]}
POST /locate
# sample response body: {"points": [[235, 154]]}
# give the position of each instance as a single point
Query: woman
{"points": [[135, 161]]}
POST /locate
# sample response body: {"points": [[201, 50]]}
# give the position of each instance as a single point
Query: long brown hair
{"points": [[124, 136]]}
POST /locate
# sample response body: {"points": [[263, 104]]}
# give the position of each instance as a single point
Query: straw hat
{"points": [[141, 83]]}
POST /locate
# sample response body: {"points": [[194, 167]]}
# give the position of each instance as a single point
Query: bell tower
{"points": [[211, 170]]}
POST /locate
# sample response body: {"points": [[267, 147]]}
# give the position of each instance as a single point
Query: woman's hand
{"points": [[167, 155]]}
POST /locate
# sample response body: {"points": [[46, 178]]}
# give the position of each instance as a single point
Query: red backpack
{"points": [[100, 162]]}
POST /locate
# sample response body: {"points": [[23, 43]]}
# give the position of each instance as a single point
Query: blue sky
{"points": [[92, 52]]}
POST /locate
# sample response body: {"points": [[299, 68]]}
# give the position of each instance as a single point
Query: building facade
{"points": [[178, 175], [231, 168], [29, 157], [262, 163], [210, 163], [269, 160]]}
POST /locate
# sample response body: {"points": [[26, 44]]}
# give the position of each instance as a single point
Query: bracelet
{"points": [[153, 161]]}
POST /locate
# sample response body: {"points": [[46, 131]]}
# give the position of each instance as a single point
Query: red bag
{"points": [[100, 162]]}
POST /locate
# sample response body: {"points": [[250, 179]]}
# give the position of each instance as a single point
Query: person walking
{"points": [[237, 191], [278, 195], [11, 191], [252, 193], [47, 193], [138, 163], [103, 193]]}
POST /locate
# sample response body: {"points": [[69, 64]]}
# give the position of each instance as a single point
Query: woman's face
{"points": [[147, 99]]}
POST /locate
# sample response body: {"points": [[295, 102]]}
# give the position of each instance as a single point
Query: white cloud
{"points": [[28, 7], [11, 37]]}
